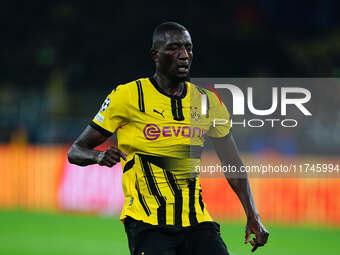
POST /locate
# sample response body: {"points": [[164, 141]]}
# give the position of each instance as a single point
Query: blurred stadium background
{"points": [[58, 62]]}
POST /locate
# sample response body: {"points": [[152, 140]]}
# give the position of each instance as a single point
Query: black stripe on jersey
{"points": [[192, 151], [177, 192], [201, 201], [153, 177], [161, 162], [129, 165], [200, 90], [161, 210], [192, 210], [146, 180], [180, 109], [140, 96], [100, 129], [176, 108], [142, 200]]}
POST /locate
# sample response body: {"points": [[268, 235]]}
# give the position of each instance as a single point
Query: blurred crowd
{"points": [[60, 59]]}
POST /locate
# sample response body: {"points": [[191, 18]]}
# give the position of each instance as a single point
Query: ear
{"points": [[154, 54]]}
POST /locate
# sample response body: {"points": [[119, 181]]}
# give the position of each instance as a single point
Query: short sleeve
{"points": [[113, 113], [220, 118]]}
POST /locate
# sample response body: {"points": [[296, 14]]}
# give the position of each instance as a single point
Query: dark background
{"points": [[60, 58]]}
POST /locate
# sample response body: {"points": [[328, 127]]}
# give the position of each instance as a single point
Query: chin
{"points": [[184, 77]]}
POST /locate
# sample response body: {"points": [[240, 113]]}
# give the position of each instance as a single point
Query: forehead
{"points": [[175, 36]]}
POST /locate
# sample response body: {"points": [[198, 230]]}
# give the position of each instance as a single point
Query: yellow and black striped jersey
{"points": [[163, 137]]}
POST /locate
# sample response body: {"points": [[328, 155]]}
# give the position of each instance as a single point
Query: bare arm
{"points": [[82, 153], [228, 154]]}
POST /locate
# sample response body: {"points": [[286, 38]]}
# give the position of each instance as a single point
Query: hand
{"points": [[255, 226], [109, 157]]}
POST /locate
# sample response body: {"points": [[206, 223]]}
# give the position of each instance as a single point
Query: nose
{"points": [[183, 54]]}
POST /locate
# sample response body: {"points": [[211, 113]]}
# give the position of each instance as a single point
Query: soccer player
{"points": [[161, 127]]}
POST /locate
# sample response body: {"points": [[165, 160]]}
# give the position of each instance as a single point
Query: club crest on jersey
{"points": [[105, 104], [195, 115]]}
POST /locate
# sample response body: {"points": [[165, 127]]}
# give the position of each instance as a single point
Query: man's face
{"points": [[174, 55]]}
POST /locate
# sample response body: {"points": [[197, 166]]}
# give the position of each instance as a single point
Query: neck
{"points": [[172, 88]]}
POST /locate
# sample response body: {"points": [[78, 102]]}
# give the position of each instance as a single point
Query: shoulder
{"points": [[203, 91], [127, 88]]}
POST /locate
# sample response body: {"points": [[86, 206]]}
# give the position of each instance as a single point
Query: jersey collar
{"points": [[160, 90]]}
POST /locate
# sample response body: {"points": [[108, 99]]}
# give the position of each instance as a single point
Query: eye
{"points": [[173, 47]]}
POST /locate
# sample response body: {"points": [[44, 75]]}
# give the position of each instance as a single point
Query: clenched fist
{"points": [[109, 157]]}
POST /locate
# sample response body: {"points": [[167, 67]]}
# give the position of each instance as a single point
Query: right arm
{"points": [[82, 151]]}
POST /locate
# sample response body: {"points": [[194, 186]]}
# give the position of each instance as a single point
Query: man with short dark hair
{"points": [[161, 129]]}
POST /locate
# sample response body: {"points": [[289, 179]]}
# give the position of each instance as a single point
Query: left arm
{"points": [[228, 154]]}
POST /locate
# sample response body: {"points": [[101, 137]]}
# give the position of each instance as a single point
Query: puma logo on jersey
{"points": [[160, 113]]}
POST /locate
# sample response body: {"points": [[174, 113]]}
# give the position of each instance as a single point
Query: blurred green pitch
{"points": [[23, 233]]}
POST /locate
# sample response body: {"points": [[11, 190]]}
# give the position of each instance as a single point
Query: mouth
{"points": [[184, 68]]}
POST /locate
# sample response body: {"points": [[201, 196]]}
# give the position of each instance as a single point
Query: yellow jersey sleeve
{"points": [[113, 113], [220, 118]]}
